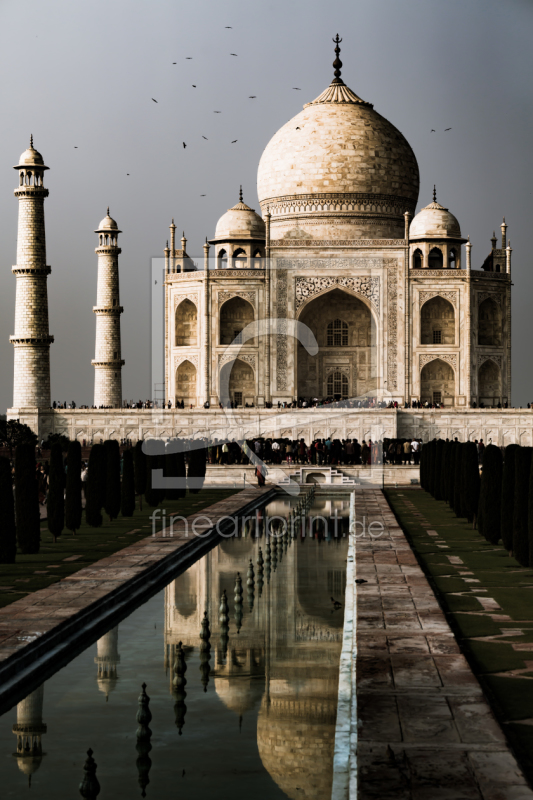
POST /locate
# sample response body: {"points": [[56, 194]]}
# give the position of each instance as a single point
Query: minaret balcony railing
{"points": [[108, 250], [108, 309], [31, 191], [112, 362], [16, 270], [29, 340]]}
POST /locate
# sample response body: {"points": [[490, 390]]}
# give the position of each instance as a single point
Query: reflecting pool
{"points": [[247, 711]]}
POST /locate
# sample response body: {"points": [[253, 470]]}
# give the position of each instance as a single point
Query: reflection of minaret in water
{"points": [[107, 659], [28, 729]]}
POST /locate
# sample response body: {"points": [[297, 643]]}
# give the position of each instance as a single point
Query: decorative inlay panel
{"points": [[179, 359], [275, 243], [451, 358], [179, 298], [482, 358], [226, 357], [392, 325], [425, 296], [281, 337], [496, 296], [338, 264], [250, 296], [309, 287]]}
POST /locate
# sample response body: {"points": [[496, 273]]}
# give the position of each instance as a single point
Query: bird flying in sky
{"points": [[233, 54], [205, 137], [174, 62], [432, 130], [297, 88], [75, 147], [184, 145], [153, 98], [228, 26], [203, 195], [235, 140], [217, 112], [252, 97], [194, 86], [188, 58], [447, 129]]}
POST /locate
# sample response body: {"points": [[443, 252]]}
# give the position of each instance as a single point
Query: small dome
{"points": [[108, 224], [31, 157], [240, 693], [434, 222], [240, 222]]}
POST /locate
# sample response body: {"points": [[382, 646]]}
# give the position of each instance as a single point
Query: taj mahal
{"points": [[389, 299]]}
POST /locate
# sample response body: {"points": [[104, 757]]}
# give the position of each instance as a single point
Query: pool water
{"points": [[265, 725]]}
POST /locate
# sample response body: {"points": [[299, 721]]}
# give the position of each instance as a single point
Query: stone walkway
{"points": [[41, 623], [425, 730]]}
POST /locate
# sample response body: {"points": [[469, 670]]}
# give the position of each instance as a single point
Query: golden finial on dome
{"points": [[240, 194], [31, 140], [337, 63], [434, 193]]}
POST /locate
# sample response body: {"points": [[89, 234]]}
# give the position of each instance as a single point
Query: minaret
{"points": [[28, 729], [107, 360], [31, 386], [107, 659]]}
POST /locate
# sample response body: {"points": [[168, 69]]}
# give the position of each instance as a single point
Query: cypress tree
{"points": [[490, 495], [73, 507], [451, 472], [458, 474], [422, 478], [139, 463], [28, 518], [470, 483], [444, 471], [175, 468], [520, 510], [153, 462], [56, 492], [430, 464], [507, 500], [8, 532], [127, 500], [96, 486], [112, 489], [439, 447], [530, 510], [197, 467]]}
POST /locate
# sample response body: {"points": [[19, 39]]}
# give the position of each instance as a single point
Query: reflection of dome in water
{"points": [[185, 598], [240, 694], [296, 746], [107, 659]]}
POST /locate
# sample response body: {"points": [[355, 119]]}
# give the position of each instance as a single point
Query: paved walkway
{"points": [[426, 731], [40, 621]]}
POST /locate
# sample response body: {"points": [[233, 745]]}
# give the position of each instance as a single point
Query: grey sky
{"points": [[83, 74]]}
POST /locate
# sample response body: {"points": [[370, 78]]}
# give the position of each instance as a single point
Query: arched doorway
{"points": [[237, 383], [490, 323], [186, 324], [437, 322], [345, 330], [235, 315], [435, 259], [417, 259], [490, 383], [437, 383], [186, 384]]}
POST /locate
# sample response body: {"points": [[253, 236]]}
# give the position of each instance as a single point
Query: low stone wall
{"points": [[501, 426]]}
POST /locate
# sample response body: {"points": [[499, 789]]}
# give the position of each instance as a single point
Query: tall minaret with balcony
{"points": [[108, 360], [31, 340]]}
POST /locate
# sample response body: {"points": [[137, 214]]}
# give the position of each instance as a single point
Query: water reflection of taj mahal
{"points": [[263, 672]]}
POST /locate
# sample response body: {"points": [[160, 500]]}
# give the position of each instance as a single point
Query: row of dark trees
{"points": [[105, 490], [499, 502]]}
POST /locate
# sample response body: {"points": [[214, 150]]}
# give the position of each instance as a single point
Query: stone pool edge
{"points": [[345, 750], [41, 652]]}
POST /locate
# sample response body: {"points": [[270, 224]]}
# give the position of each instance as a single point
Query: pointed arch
{"points": [[437, 322], [490, 383], [186, 324], [186, 379], [489, 323], [235, 314], [435, 258], [437, 382], [237, 383]]}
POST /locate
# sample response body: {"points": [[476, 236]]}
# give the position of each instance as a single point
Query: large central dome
{"points": [[338, 169]]}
